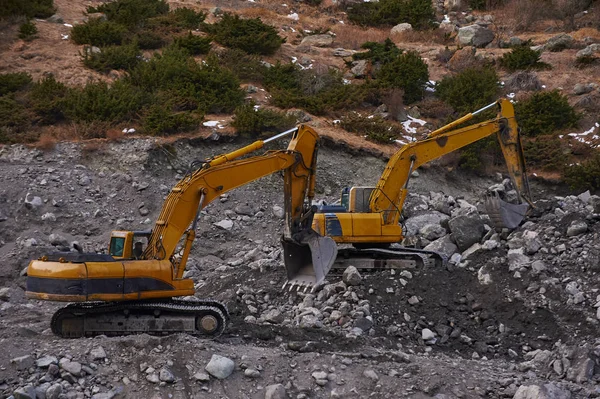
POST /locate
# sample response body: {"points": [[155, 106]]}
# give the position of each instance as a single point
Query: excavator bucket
{"points": [[504, 214], [307, 262]]}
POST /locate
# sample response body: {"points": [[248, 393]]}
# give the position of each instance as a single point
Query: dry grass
{"points": [[46, 142], [586, 32], [433, 36], [114, 134], [352, 36]]}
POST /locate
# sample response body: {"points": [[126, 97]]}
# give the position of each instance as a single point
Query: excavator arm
{"points": [[174, 231], [390, 192]]}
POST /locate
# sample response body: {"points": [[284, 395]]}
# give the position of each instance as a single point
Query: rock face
{"points": [[475, 35]]}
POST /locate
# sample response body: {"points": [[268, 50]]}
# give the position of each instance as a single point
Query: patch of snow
{"points": [[341, 22], [543, 86], [68, 25], [408, 128], [210, 123], [64, 37], [336, 121], [446, 19], [294, 59], [256, 107], [293, 16], [511, 95], [293, 30], [430, 86], [346, 81]]}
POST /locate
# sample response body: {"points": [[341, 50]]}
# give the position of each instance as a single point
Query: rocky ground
{"points": [[514, 314]]}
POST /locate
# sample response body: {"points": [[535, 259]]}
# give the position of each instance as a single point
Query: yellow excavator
{"points": [[368, 217], [133, 290]]}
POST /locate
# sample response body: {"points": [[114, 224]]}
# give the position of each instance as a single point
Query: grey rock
{"points": [[546, 391], [244, 209], [594, 202], [364, 323], [427, 334], [33, 202], [414, 224], [466, 230], [224, 224], [359, 68], [371, 374], [84, 180], [23, 362], [576, 228], [4, 294], [475, 35], [26, 392], [220, 367], [581, 88], [98, 353], [153, 378], [273, 316], [166, 375], [403, 27], [317, 40], [276, 391], [278, 211], [538, 266], [340, 52], [559, 42], [251, 373], [351, 276], [45, 361], [443, 245], [57, 240], [589, 51], [55, 19], [71, 367], [432, 231], [202, 377]]}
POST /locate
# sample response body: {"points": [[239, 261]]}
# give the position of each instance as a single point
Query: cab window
{"points": [[117, 244]]}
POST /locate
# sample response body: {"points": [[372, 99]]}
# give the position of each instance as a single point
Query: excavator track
{"points": [[376, 259], [206, 318]]}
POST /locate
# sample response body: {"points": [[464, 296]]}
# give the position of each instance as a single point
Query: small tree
{"points": [[250, 35], [469, 90], [545, 112], [523, 58], [407, 72], [28, 31]]}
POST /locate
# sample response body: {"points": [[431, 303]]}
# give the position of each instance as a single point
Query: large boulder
{"points": [[443, 245], [589, 51], [403, 27], [475, 35], [466, 230], [220, 367], [414, 224], [559, 42], [546, 391]]}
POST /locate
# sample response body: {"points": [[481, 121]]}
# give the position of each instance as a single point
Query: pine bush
{"points": [[544, 113]]}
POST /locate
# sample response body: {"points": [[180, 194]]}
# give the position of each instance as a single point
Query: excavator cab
{"points": [[126, 244]]}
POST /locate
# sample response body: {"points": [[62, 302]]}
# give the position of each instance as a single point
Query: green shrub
{"points": [[544, 152], [11, 82], [47, 100], [112, 57], [585, 175], [28, 31], [255, 122], [545, 112], [250, 35], [419, 13], [194, 44], [407, 72], [316, 92], [247, 67], [100, 102], [378, 52], [149, 40], [98, 32], [12, 113], [375, 128], [522, 58], [181, 18], [28, 8], [159, 120], [469, 90], [210, 87], [131, 12]]}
